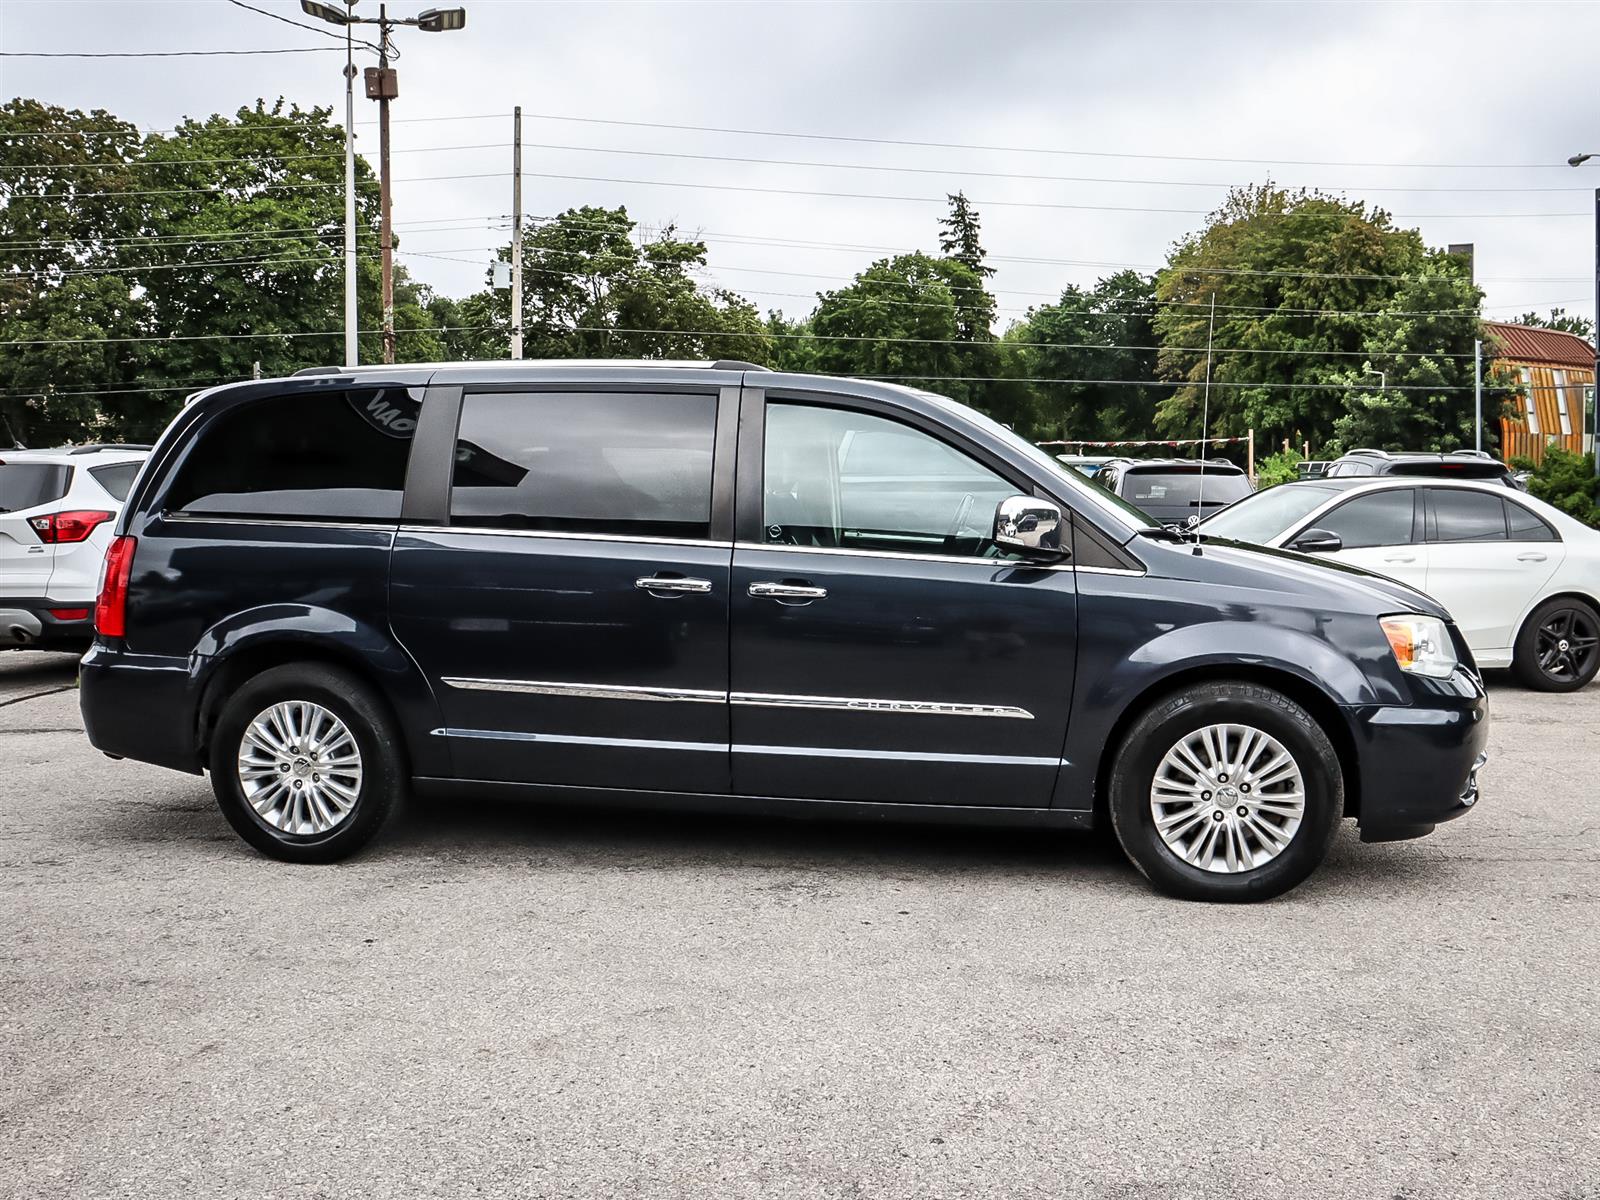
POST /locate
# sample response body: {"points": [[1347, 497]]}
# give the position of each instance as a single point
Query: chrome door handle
{"points": [[1531, 556], [1399, 558], [657, 583], [787, 591]]}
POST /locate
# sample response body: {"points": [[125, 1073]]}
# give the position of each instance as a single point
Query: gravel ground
{"points": [[507, 1000]]}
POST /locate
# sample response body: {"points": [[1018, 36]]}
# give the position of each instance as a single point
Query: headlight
{"points": [[1421, 645]]}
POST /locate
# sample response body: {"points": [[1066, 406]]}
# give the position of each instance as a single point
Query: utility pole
{"points": [[1477, 396], [516, 232], [1594, 389], [383, 85], [352, 342]]}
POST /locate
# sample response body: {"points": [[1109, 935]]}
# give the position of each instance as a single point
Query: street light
{"points": [[382, 85], [1577, 160], [352, 343]]}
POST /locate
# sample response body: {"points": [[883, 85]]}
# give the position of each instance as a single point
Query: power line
{"points": [[767, 191], [789, 162], [226, 187], [875, 141], [158, 53], [301, 24]]}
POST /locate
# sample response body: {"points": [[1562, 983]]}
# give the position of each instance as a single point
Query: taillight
{"points": [[63, 527], [111, 609]]}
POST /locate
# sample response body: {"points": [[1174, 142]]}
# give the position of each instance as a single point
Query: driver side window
{"points": [[848, 480]]}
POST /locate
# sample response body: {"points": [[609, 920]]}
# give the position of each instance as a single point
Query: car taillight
{"points": [[111, 609], [63, 527]]}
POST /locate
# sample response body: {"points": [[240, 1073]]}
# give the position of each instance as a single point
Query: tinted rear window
{"points": [[596, 462], [1466, 516], [117, 478], [308, 455], [28, 485], [1184, 489]]}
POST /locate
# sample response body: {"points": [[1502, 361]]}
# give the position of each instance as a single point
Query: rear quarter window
{"points": [[312, 455], [117, 478], [25, 485]]}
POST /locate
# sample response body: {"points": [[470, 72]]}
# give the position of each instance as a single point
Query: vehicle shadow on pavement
{"points": [[493, 826], [22, 670]]}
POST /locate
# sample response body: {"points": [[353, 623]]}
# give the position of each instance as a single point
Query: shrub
{"points": [[1277, 468], [1566, 480]]}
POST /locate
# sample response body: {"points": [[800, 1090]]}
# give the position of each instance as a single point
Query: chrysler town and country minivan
{"points": [[716, 586]]}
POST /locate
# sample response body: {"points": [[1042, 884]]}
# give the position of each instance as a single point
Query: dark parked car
{"points": [[719, 587], [1458, 464], [1175, 491]]}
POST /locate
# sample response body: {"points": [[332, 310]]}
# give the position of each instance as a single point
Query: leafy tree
{"points": [[1103, 334], [63, 247], [251, 215], [1561, 319], [591, 291], [1307, 288]]}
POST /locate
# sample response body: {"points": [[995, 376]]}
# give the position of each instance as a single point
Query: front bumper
{"points": [[1419, 763], [32, 622]]}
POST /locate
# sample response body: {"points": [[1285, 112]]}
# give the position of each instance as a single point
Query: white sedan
{"points": [[1521, 578]]}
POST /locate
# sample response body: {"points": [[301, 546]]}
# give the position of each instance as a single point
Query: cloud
{"points": [[1399, 84]]}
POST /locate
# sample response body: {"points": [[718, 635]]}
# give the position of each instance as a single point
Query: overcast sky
{"points": [[1137, 102]]}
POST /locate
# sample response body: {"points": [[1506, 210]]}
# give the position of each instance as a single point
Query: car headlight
{"points": [[1421, 644]]}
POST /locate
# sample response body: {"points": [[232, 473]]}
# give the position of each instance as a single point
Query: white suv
{"points": [[58, 509]]}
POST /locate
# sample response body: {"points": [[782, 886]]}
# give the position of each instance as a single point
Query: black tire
{"points": [[384, 777], [1161, 727], [1558, 647]]}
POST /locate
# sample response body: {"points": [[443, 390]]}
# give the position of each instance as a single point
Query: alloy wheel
{"points": [[1567, 643], [300, 768], [1228, 798]]}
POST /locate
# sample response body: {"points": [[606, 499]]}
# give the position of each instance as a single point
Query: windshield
{"points": [[1071, 483], [1263, 516]]}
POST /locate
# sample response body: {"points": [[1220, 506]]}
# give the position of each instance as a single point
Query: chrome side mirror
{"points": [[1027, 525]]}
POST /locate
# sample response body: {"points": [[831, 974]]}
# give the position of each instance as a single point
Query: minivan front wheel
{"points": [[305, 763], [1226, 791]]}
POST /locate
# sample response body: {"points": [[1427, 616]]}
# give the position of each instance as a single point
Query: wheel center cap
{"points": [[1562, 645], [302, 768], [1228, 792]]}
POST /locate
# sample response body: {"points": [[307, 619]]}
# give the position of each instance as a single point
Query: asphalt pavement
{"points": [[522, 1001]]}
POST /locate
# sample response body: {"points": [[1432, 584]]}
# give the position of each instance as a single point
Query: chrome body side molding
{"points": [[590, 691], [617, 691]]}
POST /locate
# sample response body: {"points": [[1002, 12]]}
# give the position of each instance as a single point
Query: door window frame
{"points": [[1430, 525], [1315, 521], [750, 488], [428, 483]]}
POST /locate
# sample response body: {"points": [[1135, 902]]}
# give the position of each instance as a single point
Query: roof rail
{"points": [[1369, 450], [737, 364], [320, 371], [96, 447]]}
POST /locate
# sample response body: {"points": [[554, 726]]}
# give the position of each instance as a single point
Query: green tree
{"points": [[65, 240], [1105, 334], [250, 269], [1561, 319], [960, 242], [591, 291], [1307, 288]]}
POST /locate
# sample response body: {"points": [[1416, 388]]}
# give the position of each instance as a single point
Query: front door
{"points": [[881, 649], [572, 615], [1381, 531]]}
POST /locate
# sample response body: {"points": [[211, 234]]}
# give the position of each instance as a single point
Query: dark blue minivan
{"points": [[716, 586]]}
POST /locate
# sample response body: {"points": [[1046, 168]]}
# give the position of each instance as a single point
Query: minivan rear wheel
{"points": [[305, 763], [1226, 792]]}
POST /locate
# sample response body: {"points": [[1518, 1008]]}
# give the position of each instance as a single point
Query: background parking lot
{"points": [[510, 1000]]}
